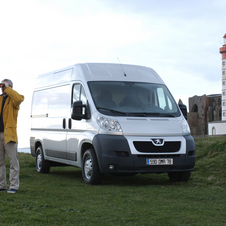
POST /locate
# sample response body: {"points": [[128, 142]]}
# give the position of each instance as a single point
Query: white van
{"points": [[109, 118]]}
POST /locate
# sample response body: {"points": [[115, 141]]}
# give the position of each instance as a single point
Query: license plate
{"points": [[159, 162]]}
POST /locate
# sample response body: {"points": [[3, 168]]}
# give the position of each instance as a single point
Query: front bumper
{"points": [[113, 150]]}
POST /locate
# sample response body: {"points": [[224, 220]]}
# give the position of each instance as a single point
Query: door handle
{"points": [[64, 123], [69, 123]]}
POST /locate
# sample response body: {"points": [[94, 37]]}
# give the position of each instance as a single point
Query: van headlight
{"points": [[185, 127], [111, 125]]}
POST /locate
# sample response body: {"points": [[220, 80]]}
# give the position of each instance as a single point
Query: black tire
{"points": [[90, 169], [179, 176], [42, 165]]}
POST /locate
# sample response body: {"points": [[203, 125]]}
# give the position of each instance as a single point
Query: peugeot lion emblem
{"points": [[158, 142]]}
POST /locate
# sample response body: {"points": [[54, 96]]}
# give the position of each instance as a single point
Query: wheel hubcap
{"points": [[39, 161], [88, 169]]}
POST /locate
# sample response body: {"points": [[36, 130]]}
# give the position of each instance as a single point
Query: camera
{"points": [[2, 85]]}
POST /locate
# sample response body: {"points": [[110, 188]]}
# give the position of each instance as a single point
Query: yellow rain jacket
{"points": [[10, 113]]}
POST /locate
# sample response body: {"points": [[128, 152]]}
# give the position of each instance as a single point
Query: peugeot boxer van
{"points": [[109, 118]]}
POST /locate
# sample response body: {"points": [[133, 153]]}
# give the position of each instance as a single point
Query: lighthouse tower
{"points": [[223, 52]]}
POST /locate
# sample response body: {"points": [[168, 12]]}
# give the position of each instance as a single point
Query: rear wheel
{"points": [[42, 165], [179, 176], [90, 169]]}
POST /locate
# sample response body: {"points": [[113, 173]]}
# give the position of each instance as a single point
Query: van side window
{"points": [[83, 96], [76, 93], [59, 98], [40, 103], [163, 100], [79, 94]]}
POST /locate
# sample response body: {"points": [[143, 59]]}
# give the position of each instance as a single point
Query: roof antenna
{"points": [[121, 67]]}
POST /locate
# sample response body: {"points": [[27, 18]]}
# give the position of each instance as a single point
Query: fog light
{"points": [[111, 167]]}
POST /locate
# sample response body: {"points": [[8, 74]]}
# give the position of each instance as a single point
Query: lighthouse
{"points": [[223, 53], [219, 127]]}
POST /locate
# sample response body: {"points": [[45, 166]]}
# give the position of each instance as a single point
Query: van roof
{"points": [[102, 71], [99, 72]]}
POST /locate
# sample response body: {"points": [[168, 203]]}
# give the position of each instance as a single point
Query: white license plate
{"points": [[159, 162]]}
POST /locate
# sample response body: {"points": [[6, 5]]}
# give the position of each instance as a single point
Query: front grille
{"points": [[148, 146]]}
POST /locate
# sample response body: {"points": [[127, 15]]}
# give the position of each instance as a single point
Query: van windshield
{"points": [[133, 99]]}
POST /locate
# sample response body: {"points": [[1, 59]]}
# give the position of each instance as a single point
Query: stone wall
{"points": [[197, 115], [203, 109], [196, 124]]}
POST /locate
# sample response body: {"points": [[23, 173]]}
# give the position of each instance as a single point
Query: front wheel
{"points": [[90, 169], [42, 165], [179, 176]]}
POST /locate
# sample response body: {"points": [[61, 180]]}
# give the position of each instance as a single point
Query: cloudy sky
{"points": [[178, 39]]}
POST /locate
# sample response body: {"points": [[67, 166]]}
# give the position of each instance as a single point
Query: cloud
{"points": [[178, 39]]}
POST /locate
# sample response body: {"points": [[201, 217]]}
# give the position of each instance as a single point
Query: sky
{"points": [[180, 40]]}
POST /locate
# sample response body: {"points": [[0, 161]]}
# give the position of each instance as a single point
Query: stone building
{"points": [[203, 109]]}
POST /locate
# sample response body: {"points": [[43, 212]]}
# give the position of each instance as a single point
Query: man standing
{"points": [[10, 101]]}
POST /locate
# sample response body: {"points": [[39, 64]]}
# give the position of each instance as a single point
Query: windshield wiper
{"points": [[112, 110], [147, 114], [139, 114], [161, 114]]}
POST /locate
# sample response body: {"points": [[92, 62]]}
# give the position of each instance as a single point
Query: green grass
{"points": [[62, 198]]}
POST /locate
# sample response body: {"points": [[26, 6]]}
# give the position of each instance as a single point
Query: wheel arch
{"points": [[38, 144], [85, 146]]}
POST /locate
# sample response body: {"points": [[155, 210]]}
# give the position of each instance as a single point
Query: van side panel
{"points": [[49, 114], [59, 104]]}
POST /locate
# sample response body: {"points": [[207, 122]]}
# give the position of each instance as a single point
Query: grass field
{"points": [[62, 198]]}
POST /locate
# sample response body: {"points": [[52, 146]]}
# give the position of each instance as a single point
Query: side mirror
{"points": [[184, 111], [80, 111]]}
